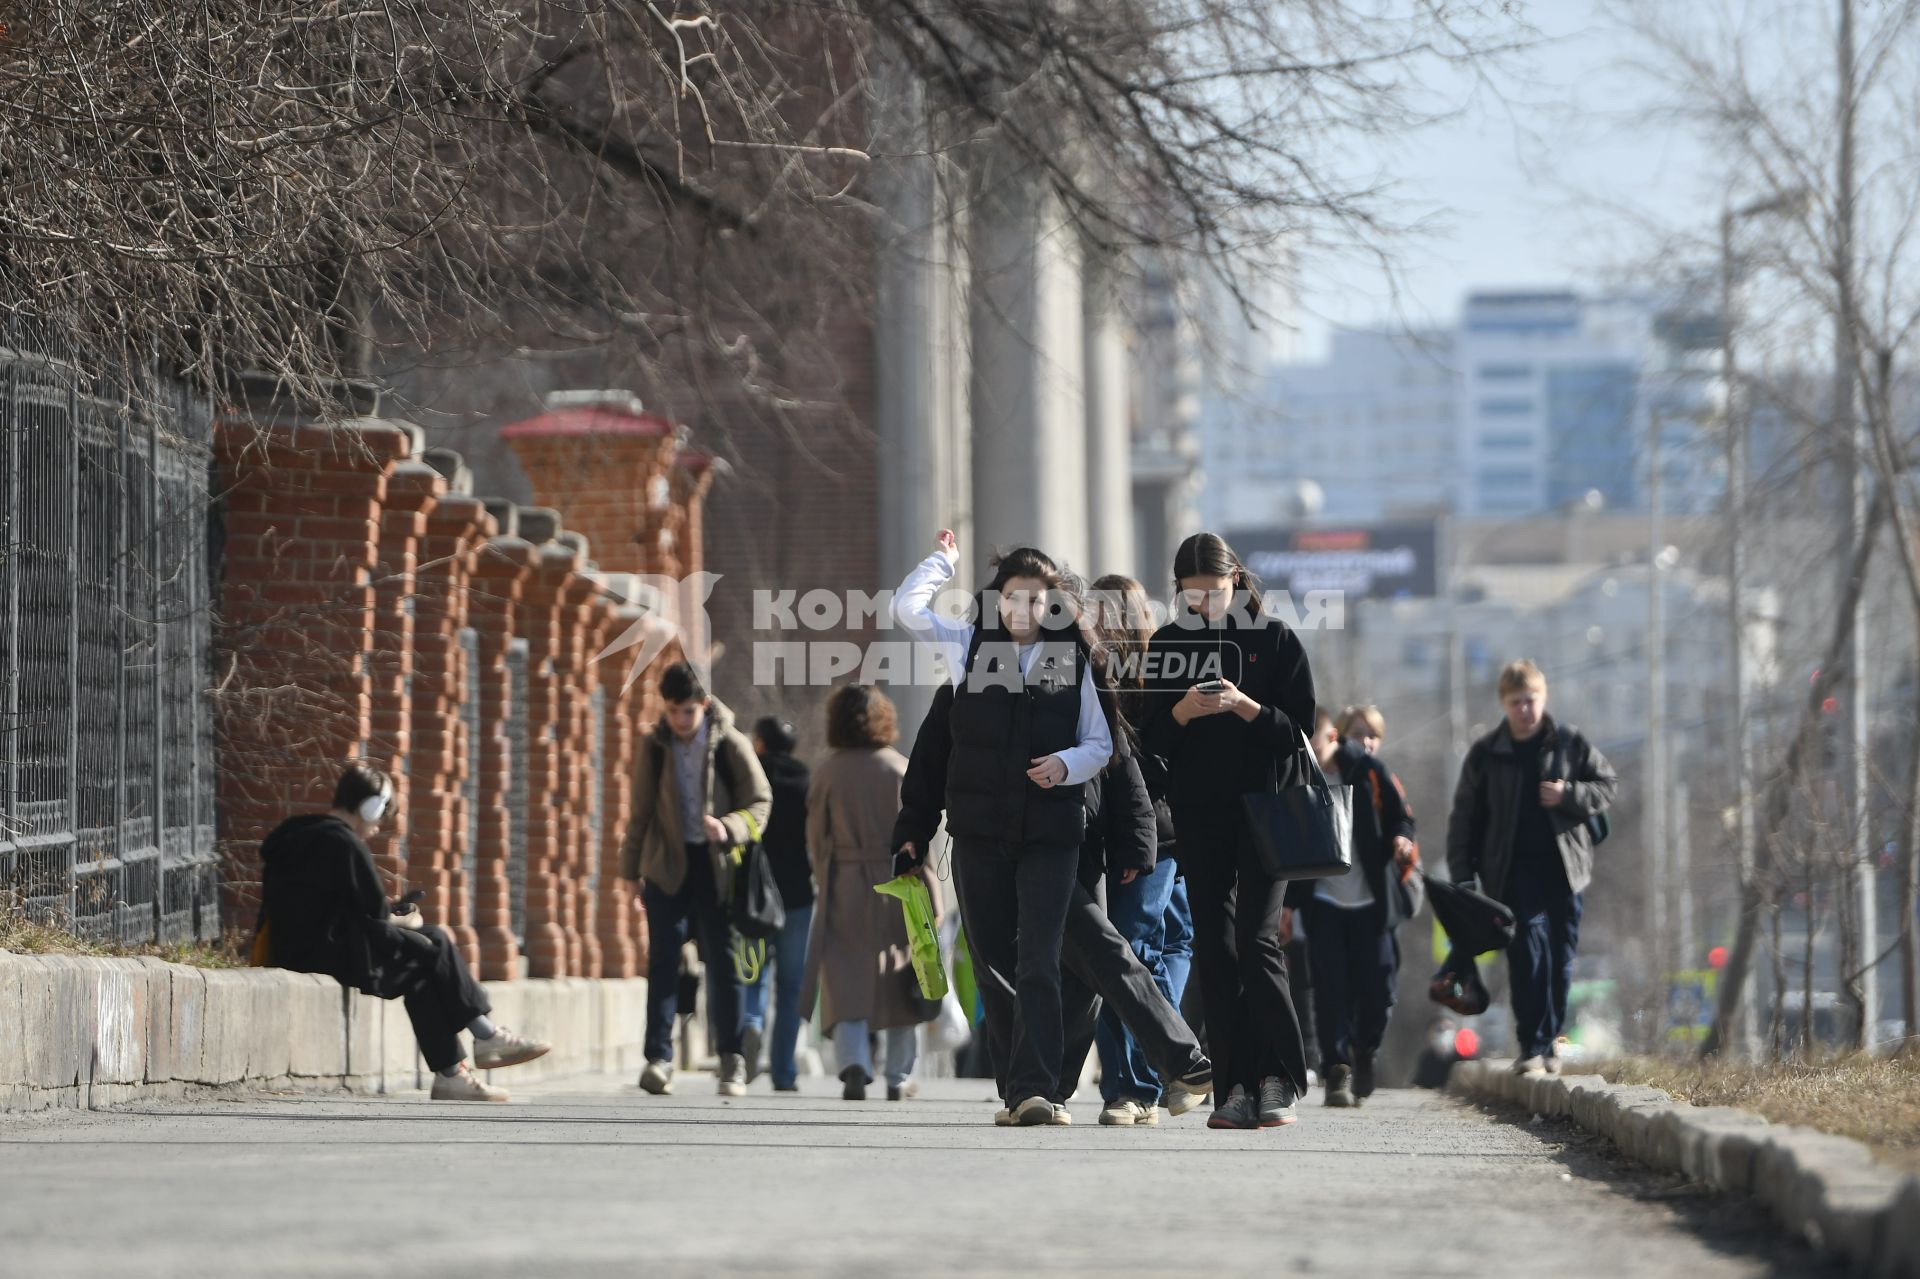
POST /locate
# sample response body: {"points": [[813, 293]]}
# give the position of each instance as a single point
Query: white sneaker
{"points": [[1190, 1090], [506, 1049], [1128, 1113], [1033, 1112], [657, 1078], [1530, 1066], [1061, 1119], [733, 1075], [465, 1086], [1003, 1118]]}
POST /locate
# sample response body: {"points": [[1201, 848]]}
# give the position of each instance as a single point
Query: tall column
{"points": [[1109, 483], [1029, 410], [921, 372]]}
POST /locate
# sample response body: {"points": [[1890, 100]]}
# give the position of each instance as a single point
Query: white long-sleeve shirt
{"points": [[913, 610]]}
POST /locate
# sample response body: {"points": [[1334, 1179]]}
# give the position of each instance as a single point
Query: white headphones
{"points": [[374, 807]]}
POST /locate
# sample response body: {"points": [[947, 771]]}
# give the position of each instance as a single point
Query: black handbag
{"points": [[1304, 831], [754, 906]]}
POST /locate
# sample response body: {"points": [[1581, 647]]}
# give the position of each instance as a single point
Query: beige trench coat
{"points": [[857, 960]]}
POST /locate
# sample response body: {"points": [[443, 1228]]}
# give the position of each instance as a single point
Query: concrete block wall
{"points": [[81, 1032]]}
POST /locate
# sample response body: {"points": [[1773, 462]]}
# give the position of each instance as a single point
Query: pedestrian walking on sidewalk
{"points": [[698, 793], [1523, 826], [1029, 730], [1351, 920], [1233, 699], [859, 964], [324, 911], [785, 840]]}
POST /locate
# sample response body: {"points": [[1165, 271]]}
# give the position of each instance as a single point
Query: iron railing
{"points": [[106, 732]]}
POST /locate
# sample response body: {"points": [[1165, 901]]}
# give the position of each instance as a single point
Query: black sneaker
{"points": [[1340, 1087], [853, 1081], [750, 1040], [1363, 1079]]}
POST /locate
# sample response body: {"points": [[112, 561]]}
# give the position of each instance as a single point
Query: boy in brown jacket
{"points": [[696, 785]]}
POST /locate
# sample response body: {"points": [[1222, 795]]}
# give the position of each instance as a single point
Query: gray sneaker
{"points": [[1238, 1111], [657, 1078], [750, 1040], [733, 1075], [1340, 1088], [1276, 1102]]}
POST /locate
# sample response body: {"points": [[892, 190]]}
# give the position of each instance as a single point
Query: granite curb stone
{"points": [[1826, 1189]]}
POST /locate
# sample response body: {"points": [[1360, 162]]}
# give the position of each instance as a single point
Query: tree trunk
{"points": [[1785, 781], [1910, 896]]}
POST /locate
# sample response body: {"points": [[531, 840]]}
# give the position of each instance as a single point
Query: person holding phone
{"points": [[1029, 729], [1232, 702], [323, 911]]}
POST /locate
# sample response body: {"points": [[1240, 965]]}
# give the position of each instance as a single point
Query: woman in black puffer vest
{"points": [[1029, 728]]}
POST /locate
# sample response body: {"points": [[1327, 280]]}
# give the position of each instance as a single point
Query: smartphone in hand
{"points": [[1212, 686], [906, 861]]}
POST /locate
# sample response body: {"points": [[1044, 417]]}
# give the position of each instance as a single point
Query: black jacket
{"points": [[1486, 806], [326, 911], [1120, 827], [1212, 762], [785, 838], [1380, 814]]}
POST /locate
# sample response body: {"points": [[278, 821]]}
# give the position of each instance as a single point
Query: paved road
{"points": [[591, 1178]]}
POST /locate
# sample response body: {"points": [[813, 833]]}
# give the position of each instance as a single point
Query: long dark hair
{"points": [[1208, 555], [1061, 616], [1125, 637]]}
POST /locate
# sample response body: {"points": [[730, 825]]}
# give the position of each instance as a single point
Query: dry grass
{"points": [[24, 936], [1871, 1099]]}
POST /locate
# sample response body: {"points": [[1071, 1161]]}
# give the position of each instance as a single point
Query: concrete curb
{"points": [[82, 1032], [1826, 1189]]}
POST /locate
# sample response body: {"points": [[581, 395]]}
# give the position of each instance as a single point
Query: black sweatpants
{"points": [[1013, 900], [1356, 959], [1252, 1030], [424, 968], [1098, 965]]}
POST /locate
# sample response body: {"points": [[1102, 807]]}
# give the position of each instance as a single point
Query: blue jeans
{"points": [[852, 1047], [1151, 915], [1546, 914], [787, 952]]}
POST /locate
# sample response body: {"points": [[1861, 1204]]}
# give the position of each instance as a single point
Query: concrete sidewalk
{"points": [[588, 1177]]}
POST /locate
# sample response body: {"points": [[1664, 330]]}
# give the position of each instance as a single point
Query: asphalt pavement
{"points": [[590, 1177]]}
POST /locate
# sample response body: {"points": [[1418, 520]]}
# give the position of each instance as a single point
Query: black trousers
{"points": [[1098, 965], [1252, 1029], [425, 970], [1356, 959], [1014, 900]]}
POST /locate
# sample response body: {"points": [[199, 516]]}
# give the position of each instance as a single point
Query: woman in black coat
{"points": [[1233, 701]]}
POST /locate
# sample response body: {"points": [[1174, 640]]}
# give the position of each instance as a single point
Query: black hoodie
{"points": [[786, 833], [326, 911]]}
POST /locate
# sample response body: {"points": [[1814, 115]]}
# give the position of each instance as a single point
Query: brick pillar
{"points": [[619, 927], [501, 567], [442, 756], [412, 490], [584, 609], [295, 623], [607, 470], [540, 620]]}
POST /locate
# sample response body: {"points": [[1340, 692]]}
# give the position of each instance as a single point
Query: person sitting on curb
{"points": [[323, 911]]}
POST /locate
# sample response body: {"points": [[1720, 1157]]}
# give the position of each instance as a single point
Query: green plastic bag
{"points": [[965, 988], [922, 942]]}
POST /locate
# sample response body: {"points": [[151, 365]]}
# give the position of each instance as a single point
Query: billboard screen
{"points": [[1366, 561]]}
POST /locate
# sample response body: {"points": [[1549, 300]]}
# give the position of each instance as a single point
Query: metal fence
{"points": [[106, 734]]}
